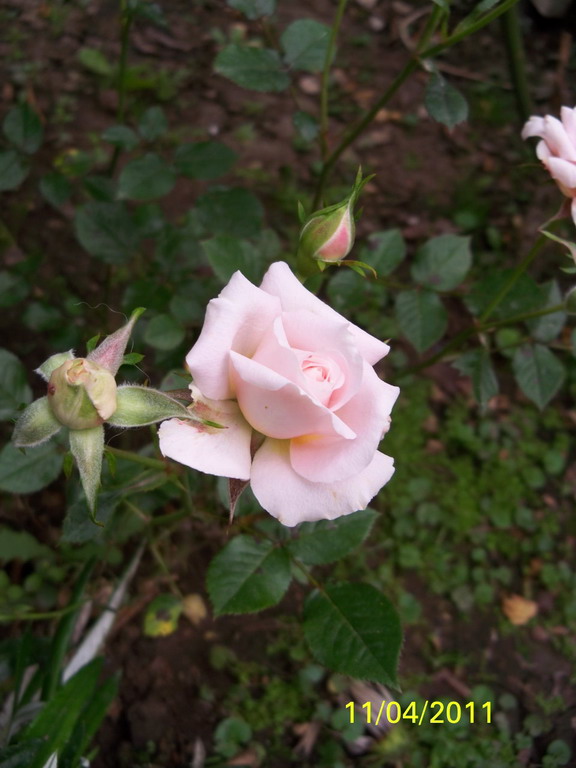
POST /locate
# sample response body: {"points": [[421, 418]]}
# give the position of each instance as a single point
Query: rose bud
{"points": [[328, 234], [82, 394]]}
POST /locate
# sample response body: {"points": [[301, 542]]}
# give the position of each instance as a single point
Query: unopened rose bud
{"points": [[82, 394], [329, 236]]}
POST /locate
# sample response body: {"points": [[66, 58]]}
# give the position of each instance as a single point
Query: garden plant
{"points": [[286, 385]]}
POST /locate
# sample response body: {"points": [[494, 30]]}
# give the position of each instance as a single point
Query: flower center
{"points": [[323, 375]]}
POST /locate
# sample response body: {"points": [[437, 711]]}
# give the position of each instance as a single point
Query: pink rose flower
{"points": [[557, 150], [293, 383]]}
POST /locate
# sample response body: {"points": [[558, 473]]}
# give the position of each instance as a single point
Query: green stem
{"points": [[524, 316], [326, 75], [40, 616], [420, 54], [146, 461], [164, 568], [514, 277], [466, 31], [126, 17], [352, 134], [516, 62], [477, 329]]}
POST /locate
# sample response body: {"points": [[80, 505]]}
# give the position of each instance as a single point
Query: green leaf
{"points": [[22, 127], [95, 61], [204, 159], [13, 170], [14, 389], [306, 125], [329, 540], [35, 425], [88, 723], [305, 44], [477, 364], [230, 211], [56, 721], [547, 327], [132, 358], [163, 332], [139, 406], [19, 545], [121, 136], [570, 301], [443, 262], [107, 231], [78, 526], [153, 124], [385, 251], [227, 254], [146, 178], [353, 629], [444, 103], [254, 9], [161, 617], [248, 576], [29, 471], [19, 755], [259, 69], [13, 289], [422, 317], [55, 189], [100, 188], [525, 296], [539, 373], [87, 446]]}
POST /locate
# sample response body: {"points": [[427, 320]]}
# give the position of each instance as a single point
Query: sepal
{"points": [[110, 353], [49, 366], [87, 446], [138, 406], [36, 424]]}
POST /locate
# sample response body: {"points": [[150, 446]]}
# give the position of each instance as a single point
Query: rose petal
{"points": [[563, 172], [326, 459], [295, 337], [279, 281], [557, 139], [224, 452], [236, 320], [533, 127], [292, 499], [543, 153], [278, 408], [568, 117], [573, 210]]}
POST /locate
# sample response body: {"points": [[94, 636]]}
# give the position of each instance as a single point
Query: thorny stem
{"points": [[40, 616], [351, 135], [325, 78], [514, 277], [516, 62], [165, 570], [477, 329], [126, 17], [419, 55], [146, 461]]}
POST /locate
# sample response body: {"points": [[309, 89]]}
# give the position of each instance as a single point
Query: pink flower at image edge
{"points": [[557, 149], [293, 383]]}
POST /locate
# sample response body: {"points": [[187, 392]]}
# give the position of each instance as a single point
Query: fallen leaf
{"points": [[194, 608], [518, 610]]}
